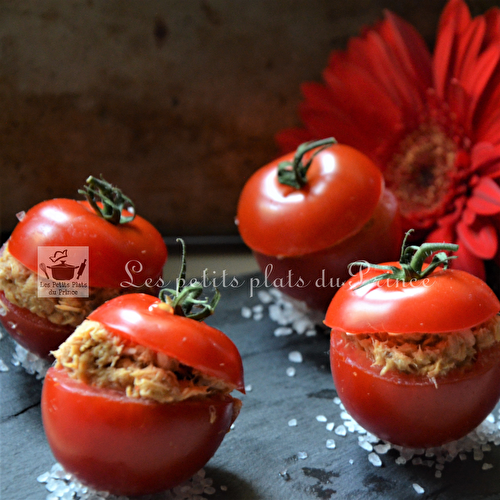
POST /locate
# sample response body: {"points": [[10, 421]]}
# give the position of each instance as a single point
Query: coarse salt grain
{"points": [[295, 357], [374, 459], [246, 312], [340, 430], [282, 331], [321, 418], [3, 366], [290, 371], [330, 444], [248, 388], [487, 466], [292, 422], [330, 426], [302, 455], [418, 488]]}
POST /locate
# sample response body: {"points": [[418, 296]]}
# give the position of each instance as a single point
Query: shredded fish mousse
{"points": [[97, 357], [427, 354]]}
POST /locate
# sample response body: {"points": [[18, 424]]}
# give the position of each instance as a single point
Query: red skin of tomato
{"points": [[447, 300], [64, 222], [36, 334], [130, 446], [323, 272], [409, 410], [135, 446], [342, 190]]}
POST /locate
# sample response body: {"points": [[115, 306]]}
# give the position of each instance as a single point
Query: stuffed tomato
{"points": [[415, 349], [139, 398], [307, 215], [125, 253]]}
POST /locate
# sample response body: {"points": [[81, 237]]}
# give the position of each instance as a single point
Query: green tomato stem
{"points": [[108, 201], [411, 261], [186, 298], [294, 173]]}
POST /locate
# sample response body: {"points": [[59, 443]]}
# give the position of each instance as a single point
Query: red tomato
{"points": [[309, 233], [130, 446], [113, 249], [122, 255], [407, 409], [136, 446]]}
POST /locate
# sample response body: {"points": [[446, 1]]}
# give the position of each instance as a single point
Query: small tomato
{"points": [[307, 215], [415, 349], [115, 440]]}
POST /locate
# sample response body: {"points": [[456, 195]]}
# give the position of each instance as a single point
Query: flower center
{"points": [[421, 175]]}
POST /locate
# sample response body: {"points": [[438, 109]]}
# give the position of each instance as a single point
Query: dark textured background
{"points": [[175, 101]]}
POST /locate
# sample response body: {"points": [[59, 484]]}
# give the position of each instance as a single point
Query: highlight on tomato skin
{"points": [[415, 348], [139, 398], [304, 232]]}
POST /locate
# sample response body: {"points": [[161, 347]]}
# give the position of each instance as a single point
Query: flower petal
{"points": [[485, 198], [481, 241]]}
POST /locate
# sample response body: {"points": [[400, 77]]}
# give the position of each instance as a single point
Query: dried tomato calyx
{"points": [[293, 173], [185, 298], [108, 201], [411, 261]]}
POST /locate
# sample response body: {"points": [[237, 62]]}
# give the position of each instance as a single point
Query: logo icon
{"points": [[64, 271]]}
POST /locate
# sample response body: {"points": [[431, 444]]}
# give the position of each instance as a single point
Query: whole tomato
{"points": [[137, 445], [416, 393], [124, 252], [307, 215]]}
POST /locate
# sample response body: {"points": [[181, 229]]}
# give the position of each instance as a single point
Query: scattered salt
{"points": [[281, 331], [64, 486], [292, 422], [418, 488], [321, 418], [302, 455], [330, 426], [295, 357], [246, 312], [330, 444], [382, 449], [32, 363], [340, 430], [290, 371], [248, 388], [374, 459]]}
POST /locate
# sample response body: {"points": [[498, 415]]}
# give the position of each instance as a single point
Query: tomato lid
{"points": [[140, 319], [125, 253], [446, 301], [342, 190]]}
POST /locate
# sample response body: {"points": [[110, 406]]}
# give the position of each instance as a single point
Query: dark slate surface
{"points": [[254, 457]]}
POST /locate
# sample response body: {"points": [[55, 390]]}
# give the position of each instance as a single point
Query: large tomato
{"points": [[408, 409], [125, 252], [135, 446], [307, 215]]}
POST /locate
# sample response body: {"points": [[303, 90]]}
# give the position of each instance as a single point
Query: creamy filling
{"points": [[20, 286], [97, 357], [427, 354]]}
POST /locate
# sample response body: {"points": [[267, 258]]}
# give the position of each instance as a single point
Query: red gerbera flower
{"points": [[431, 123]]}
